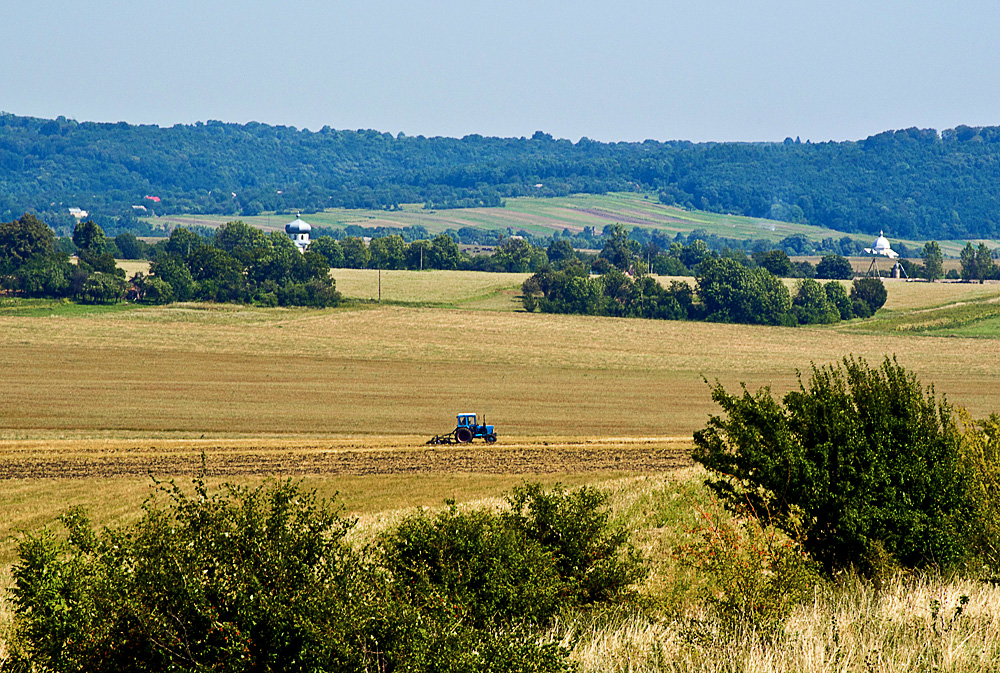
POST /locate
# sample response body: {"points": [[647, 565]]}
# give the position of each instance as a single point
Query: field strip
{"points": [[79, 459]]}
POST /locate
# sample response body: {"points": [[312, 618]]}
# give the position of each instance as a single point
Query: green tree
{"points": [[238, 239], [446, 252], [933, 261], [356, 255], [621, 251], [836, 293], [775, 261], [387, 252], [330, 249], [970, 267], [43, 276], [560, 251], [174, 271], [811, 304], [868, 295], [983, 263], [23, 240], [834, 267], [130, 247], [866, 460], [513, 255], [103, 288], [419, 255], [90, 237], [730, 292], [182, 242]]}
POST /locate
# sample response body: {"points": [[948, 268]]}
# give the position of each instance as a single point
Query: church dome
{"points": [[298, 226], [881, 243]]}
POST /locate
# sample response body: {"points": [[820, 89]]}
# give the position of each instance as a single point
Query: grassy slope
{"points": [[543, 216]]}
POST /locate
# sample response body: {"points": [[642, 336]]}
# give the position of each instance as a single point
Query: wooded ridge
{"points": [[913, 183]]}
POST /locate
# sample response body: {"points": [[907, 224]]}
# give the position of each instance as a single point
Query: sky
{"points": [[700, 70]]}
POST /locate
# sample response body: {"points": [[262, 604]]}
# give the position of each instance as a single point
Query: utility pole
{"points": [[380, 283]]}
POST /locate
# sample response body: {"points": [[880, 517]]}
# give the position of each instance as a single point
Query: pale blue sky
{"points": [[630, 70]]}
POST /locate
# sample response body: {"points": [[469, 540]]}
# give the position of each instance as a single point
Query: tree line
{"points": [[239, 264], [913, 183]]}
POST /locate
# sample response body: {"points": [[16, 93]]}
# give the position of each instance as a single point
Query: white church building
{"points": [[298, 230]]}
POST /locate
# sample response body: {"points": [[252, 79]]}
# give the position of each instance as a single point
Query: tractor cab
{"points": [[467, 420]]}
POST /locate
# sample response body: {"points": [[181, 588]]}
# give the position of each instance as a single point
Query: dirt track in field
{"points": [[64, 459]]}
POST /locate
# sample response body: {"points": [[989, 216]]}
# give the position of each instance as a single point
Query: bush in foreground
{"points": [[865, 461], [262, 580]]}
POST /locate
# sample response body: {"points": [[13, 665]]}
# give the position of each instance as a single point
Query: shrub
{"points": [[488, 572], [757, 575], [864, 459], [981, 469], [247, 579], [868, 295], [591, 553], [261, 580], [548, 551]]}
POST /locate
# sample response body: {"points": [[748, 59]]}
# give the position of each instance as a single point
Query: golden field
{"points": [[93, 399]]}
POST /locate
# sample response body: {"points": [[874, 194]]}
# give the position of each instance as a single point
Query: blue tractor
{"points": [[466, 430]]}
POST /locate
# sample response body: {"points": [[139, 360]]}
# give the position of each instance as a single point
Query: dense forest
{"points": [[914, 183]]}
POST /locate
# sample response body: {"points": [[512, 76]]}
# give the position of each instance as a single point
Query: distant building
{"points": [[78, 213], [298, 230]]}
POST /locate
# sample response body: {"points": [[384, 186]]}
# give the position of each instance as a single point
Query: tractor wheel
{"points": [[463, 435], [491, 439]]}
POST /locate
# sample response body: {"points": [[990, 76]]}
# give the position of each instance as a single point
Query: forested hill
{"points": [[912, 183]]}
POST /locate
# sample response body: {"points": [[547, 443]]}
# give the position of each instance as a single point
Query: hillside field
{"points": [[543, 216]]}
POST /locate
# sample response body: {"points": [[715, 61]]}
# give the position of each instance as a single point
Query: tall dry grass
{"points": [[909, 624]]}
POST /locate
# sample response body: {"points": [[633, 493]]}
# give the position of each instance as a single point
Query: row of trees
{"points": [[914, 183], [725, 291], [240, 264]]}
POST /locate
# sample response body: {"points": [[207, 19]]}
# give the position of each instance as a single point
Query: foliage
{"points": [[216, 167], [103, 288], [981, 468], [757, 574], [933, 261], [24, 239], [775, 261], [591, 553], [834, 267], [262, 580], [838, 297], [731, 292], [867, 295], [812, 304], [865, 460], [977, 263]]}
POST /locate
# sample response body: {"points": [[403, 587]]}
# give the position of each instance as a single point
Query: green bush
{"points": [[591, 553], [261, 580], [244, 580], [548, 551], [490, 573], [757, 576], [865, 460], [868, 295]]}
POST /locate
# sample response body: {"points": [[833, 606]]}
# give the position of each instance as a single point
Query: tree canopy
{"points": [[913, 183]]}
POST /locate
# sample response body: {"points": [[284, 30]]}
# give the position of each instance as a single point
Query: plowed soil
{"points": [[62, 459]]}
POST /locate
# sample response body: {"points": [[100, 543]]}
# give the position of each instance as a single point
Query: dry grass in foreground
{"points": [[909, 624]]}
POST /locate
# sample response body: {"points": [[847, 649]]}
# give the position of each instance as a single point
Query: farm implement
{"points": [[466, 430]]}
